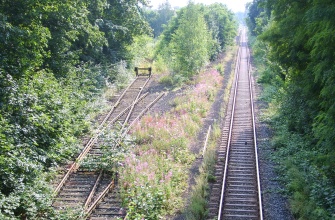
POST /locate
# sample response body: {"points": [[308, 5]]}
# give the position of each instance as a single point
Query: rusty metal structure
{"points": [[143, 71]]}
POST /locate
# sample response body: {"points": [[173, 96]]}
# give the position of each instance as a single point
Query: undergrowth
{"points": [[54, 114], [303, 169], [155, 176], [197, 209]]}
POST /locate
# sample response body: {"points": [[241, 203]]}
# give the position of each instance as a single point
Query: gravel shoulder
{"points": [[275, 204]]}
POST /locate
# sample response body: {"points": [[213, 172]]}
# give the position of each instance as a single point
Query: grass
{"points": [[155, 176], [162, 157], [197, 209]]}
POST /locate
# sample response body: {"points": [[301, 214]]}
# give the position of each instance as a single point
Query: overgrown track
{"points": [[237, 194], [80, 188]]}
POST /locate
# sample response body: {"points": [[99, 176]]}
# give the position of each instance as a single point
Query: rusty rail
{"points": [[90, 196], [90, 143], [119, 140]]}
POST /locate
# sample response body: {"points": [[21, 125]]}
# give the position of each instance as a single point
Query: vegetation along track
{"points": [[236, 193], [82, 188]]}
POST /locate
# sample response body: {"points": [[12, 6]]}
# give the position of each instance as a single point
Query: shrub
{"points": [[159, 162]]}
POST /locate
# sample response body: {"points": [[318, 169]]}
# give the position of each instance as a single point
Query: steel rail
{"points": [[90, 196], [144, 110], [98, 200], [206, 141], [98, 131], [131, 107], [88, 146], [84, 152], [126, 109], [237, 67], [134, 103], [116, 104], [107, 189], [255, 139], [229, 142], [126, 130]]}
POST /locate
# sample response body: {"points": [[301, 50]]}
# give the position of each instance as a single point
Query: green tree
{"points": [[121, 22], [24, 39], [159, 18], [191, 42], [52, 63], [223, 26], [299, 41]]}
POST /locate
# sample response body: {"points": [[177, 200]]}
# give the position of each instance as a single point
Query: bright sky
{"points": [[234, 5]]}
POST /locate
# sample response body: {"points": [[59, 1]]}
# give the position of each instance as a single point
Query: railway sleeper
{"points": [[228, 216], [241, 154], [236, 161], [241, 202], [241, 169], [241, 179], [240, 174], [72, 193], [240, 195], [242, 185], [62, 205], [74, 199], [247, 212], [241, 191], [108, 211]]}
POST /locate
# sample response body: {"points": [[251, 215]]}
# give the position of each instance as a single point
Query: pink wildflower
{"points": [[168, 176]]}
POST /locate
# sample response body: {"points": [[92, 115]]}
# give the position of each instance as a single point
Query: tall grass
{"points": [[197, 209], [160, 163]]}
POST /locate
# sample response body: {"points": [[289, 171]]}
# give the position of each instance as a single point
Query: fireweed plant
{"points": [[154, 177]]}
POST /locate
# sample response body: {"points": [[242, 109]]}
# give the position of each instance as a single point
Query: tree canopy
{"points": [[57, 58], [53, 55], [299, 41], [196, 34], [159, 18]]}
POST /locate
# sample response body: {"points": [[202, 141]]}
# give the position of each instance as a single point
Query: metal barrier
{"points": [[138, 71]]}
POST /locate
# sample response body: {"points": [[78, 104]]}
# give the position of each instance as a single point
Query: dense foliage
{"points": [[196, 34], [55, 59], [159, 18], [154, 177], [295, 45], [191, 42]]}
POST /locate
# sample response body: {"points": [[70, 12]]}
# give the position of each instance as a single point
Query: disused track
{"points": [[80, 188], [107, 203], [237, 194]]}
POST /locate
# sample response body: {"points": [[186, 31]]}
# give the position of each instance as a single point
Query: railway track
{"points": [[237, 193], [96, 192]]}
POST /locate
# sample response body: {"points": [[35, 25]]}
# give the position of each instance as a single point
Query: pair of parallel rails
{"points": [[237, 192], [97, 192]]}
